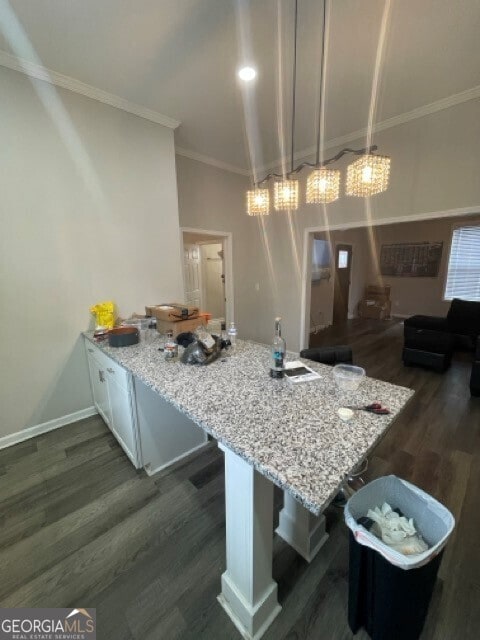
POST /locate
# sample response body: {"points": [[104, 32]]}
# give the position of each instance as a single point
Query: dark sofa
{"points": [[431, 340]]}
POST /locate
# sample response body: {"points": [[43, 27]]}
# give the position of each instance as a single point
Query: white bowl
{"points": [[348, 377]]}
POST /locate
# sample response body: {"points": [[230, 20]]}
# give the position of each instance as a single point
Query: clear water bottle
{"points": [[279, 349], [170, 350], [232, 335]]}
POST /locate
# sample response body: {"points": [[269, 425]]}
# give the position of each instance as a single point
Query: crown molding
{"points": [[395, 121], [40, 72], [193, 155]]}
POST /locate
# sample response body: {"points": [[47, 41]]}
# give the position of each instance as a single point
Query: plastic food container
{"points": [[348, 377], [142, 324]]}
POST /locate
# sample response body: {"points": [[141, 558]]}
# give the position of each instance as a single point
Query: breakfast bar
{"points": [[271, 432]]}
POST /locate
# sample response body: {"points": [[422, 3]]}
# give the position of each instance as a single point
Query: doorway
{"points": [[213, 279], [341, 287], [207, 272]]}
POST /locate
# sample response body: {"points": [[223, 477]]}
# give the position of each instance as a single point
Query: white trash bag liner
{"points": [[432, 520]]}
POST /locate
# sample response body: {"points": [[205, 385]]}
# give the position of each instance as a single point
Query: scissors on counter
{"points": [[376, 407]]}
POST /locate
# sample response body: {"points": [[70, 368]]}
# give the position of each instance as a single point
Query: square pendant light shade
{"points": [[285, 195], [258, 202], [368, 176], [323, 186]]}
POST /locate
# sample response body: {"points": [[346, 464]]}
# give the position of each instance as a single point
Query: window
{"points": [[342, 259], [463, 277]]}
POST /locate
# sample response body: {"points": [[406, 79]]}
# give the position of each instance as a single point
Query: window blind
{"points": [[463, 278]]}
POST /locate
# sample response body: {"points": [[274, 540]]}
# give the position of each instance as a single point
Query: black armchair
{"points": [[341, 354]]}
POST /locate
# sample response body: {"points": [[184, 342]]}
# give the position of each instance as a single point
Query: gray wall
{"points": [[435, 162], [212, 199], [408, 295], [417, 295], [88, 212]]}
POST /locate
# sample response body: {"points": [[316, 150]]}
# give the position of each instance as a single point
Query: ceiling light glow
{"points": [[247, 74]]}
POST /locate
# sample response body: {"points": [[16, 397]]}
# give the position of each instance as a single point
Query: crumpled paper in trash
{"points": [[396, 530]]}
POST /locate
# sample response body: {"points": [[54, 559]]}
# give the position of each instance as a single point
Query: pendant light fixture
{"points": [[285, 191], [323, 185], [366, 176], [285, 195], [258, 202]]}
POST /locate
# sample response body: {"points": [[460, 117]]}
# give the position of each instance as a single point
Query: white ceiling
{"points": [[178, 57]]}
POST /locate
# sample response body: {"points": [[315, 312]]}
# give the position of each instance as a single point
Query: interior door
{"points": [[214, 279], [192, 274], [341, 289]]}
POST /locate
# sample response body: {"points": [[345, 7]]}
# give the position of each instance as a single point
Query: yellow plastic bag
{"points": [[105, 314]]}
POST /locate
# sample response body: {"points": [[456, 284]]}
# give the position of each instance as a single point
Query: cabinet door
{"points": [[123, 425], [99, 385]]}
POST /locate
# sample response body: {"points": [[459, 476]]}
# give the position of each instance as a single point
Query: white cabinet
{"points": [[114, 398], [149, 429]]}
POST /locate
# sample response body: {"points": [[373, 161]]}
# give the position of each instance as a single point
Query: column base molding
{"points": [[303, 531], [252, 622]]}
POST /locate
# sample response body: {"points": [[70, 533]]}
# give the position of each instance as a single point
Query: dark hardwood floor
{"points": [[80, 527]]}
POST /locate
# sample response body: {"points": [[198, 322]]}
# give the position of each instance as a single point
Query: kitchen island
{"points": [[271, 431]]}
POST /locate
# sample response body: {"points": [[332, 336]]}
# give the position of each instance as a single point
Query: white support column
{"points": [[300, 528], [249, 594]]}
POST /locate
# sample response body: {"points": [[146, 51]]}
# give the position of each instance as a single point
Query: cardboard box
{"points": [[172, 311], [179, 327], [376, 304], [378, 293], [375, 311]]}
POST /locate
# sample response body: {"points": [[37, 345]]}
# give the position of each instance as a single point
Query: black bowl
{"points": [[123, 336]]}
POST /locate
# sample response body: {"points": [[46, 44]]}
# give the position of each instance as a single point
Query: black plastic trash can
{"points": [[389, 593]]}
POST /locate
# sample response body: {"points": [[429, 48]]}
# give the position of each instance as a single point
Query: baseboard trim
{"points": [[401, 315], [152, 472], [38, 429]]}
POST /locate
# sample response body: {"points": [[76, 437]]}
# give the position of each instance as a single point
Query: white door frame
{"points": [[227, 242]]}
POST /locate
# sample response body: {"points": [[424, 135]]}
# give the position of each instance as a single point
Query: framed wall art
{"points": [[413, 259]]}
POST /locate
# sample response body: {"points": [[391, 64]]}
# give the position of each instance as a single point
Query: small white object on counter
{"points": [[345, 414]]}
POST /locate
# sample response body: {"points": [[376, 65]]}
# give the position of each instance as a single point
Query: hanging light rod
{"points": [[340, 154], [366, 176]]}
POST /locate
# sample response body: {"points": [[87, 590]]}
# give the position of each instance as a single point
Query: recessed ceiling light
{"points": [[247, 74]]}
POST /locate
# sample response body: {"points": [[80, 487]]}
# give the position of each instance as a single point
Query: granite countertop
{"points": [[290, 433]]}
